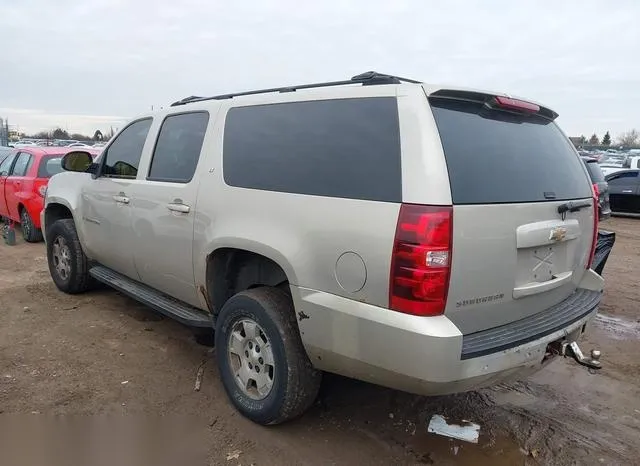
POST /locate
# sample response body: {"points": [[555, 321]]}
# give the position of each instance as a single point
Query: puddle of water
{"points": [[497, 452], [620, 329]]}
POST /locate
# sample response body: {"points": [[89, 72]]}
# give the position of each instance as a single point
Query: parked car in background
{"points": [[624, 191], [609, 169], [633, 161], [19, 144], [78, 144], [342, 228], [24, 175], [600, 186]]}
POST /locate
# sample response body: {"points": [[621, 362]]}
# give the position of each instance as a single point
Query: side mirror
{"points": [[77, 161]]}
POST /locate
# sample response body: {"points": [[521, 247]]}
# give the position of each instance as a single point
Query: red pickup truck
{"points": [[24, 176]]}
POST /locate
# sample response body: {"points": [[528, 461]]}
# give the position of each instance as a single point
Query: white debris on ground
{"points": [[469, 432]]}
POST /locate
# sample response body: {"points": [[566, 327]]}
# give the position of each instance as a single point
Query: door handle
{"points": [[182, 208], [121, 199], [627, 191]]}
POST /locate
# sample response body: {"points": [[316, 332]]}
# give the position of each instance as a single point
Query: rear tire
{"points": [[68, 265], [260, 324], [30, 233]]}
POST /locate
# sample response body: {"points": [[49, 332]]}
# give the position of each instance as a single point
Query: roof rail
{"points": [[366, 79]]}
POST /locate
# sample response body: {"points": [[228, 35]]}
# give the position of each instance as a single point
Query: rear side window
{"points": [[624, 178], [22, 164], [50, 166], [348, 148], [123, 155], [177, 150], [595, 172], [495, 156]]}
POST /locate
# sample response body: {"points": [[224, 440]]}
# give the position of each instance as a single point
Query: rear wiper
{"points": [[573, 207]]}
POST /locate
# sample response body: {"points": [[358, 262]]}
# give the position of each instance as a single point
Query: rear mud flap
{"points": [[603, 249]]}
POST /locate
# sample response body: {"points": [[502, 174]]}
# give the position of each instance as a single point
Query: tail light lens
{"points": [[516, 104], [421, 260], [42, 190], [596, 214]]}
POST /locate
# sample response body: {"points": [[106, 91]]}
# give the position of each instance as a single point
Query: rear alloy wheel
{"points": [[30, 233], [263, 365]]}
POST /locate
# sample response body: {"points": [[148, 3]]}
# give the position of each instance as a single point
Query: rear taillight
{"points": [[42, 190], [594, 239], [421, 260]]}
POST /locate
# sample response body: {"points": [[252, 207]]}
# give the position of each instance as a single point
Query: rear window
{"points": [[501, 157], [348, 148], [50, 166], [595, 172]]}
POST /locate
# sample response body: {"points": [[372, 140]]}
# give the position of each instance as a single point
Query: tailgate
{"points": [[510, 170], [514, 260]]}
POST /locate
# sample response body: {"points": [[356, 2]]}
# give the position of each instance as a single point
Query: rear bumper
{"points": [[425, 355]]}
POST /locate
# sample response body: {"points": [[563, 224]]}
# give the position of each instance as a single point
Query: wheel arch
{"points": [[231, 269]]}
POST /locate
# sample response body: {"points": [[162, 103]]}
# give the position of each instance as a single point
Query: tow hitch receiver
{"points": [[571, 349]]}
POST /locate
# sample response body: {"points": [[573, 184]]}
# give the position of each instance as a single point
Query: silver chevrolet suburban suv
{"points": [[426, 238]]}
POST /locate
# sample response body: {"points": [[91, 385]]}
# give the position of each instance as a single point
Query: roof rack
{"points": [[366, 79]]}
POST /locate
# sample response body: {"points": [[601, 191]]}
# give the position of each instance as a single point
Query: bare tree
{"points": [[629, 138]]}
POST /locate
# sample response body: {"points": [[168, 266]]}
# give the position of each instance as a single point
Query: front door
{"points": [[163, 208], [106, 201], [623, 190], [16, 191], [5, 168]]}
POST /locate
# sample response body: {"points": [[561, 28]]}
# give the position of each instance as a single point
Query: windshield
{"points": [[50, 166], [495, 156]]}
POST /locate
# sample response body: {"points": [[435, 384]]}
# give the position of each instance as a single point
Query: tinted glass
{"points": [[178, 147], [6, 165], [50, 166], [123, 155], [595, 172], [339, 148], [22, 165], [499, 157], [624, 178]]}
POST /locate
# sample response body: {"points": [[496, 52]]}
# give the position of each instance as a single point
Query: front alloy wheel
{"points": [[61, 258]]}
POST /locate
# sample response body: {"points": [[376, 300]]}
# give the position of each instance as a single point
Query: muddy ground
{"points": [[102, 353]]}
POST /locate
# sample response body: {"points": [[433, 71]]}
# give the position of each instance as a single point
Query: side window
{"points": [[123, 155], [624, 178], [178, 147], [347, 148], [22, 164], [6, 165]]}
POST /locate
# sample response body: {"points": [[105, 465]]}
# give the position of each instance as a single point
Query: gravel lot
{"points": [[102, 353]]}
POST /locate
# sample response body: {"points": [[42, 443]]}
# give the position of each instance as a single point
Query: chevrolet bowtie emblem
{"points": [[558, 233]]}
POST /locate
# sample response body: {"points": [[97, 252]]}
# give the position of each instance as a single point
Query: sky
{"points": [[91, 64]]}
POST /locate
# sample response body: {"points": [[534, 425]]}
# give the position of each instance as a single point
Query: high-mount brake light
{"points": [[516, 104]]}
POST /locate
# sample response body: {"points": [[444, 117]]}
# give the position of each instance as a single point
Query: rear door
{"points": [[510, 170], [163, 207]]}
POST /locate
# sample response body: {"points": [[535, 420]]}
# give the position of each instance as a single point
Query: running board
{"points": [[170, 307]]}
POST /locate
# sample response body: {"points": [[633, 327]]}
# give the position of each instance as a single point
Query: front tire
{"points": [[263, 365], [30, 233], [68, 265]]}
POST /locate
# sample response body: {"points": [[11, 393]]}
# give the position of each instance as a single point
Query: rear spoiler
{"points": [[503, 102]]}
